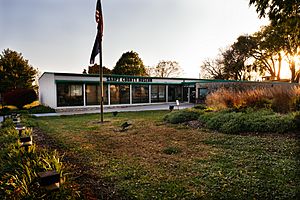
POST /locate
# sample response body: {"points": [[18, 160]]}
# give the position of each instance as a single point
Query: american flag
{"points": [[99, 20]]}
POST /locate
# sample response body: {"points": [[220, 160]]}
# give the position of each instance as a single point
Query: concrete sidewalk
{"points": [[120, 109]]}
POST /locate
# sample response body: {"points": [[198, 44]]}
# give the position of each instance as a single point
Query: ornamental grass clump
{"points": [[281, 99]]}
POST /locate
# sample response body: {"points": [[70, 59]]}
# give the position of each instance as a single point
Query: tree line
{"points": [[131, 64], [264, 51]]}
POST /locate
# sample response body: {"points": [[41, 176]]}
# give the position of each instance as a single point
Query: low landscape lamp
{"points": [[49, 180]]}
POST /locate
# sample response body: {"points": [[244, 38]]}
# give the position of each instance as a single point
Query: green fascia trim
{"points": [[190, 83], [115, 82], [184, 80]]}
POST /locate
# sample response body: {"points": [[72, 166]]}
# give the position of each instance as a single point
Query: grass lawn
{"points": [[153, 160]]}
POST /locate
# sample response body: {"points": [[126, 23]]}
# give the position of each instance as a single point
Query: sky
{"points": [[58, 35]]}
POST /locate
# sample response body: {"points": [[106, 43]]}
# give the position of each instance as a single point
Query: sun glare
{"points": [[285, 72]]}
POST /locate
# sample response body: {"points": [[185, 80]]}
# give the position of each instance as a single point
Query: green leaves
{"points": [[277, 11], [15, 71], [130, 64]]}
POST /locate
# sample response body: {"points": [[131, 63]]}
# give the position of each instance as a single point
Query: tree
{"points": [[15, 72], [130, 64], [290, 30], [275, 43], [277, 10], [167, 69], [268, 51], [95, 69], [213, 68], [236, 59], [234, 62], [285, 16]]}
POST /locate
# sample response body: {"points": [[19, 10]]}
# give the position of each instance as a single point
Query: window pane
{"points": [[185, 93], [69, 94], [114, 94], [119, 94], [162, 93], [174, 93], [124, 94], [140, 94], [93, 94], [158, 93]]}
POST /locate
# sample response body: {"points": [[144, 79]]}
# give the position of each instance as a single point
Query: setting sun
{"points": [[285, 72]]}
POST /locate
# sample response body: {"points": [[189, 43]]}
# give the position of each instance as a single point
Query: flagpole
{"points": [[101, 67], [101, 80]]}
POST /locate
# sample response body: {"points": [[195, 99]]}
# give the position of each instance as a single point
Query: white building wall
{"points": [[78, 78], [47, 90]]}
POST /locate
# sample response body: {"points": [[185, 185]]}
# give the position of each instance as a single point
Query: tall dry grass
{"points": [[281, 99]]}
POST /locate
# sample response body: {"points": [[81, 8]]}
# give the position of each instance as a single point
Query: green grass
{"points": [[154, 160]]}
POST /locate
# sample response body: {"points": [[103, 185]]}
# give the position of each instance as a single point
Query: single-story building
{"points": [[63, 91], [69, 90]]}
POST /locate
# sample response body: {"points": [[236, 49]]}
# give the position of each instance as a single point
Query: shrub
{"points": [[20, 97], [269, 123], [181, 116], [23, 112], [200, 106], [7, 123], [263, 121], [41, 109], [297, 120], [217, 121], [4, 111]]}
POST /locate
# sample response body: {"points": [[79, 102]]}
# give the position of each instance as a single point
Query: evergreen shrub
{"points": [[297, 120], [41, 109], [20, 97], [181, 116], [262, 121], [200, 106]]}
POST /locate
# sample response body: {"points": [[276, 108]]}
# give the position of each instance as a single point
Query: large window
{"points": [[174, 93], [119, 94], [69, 94], [93, 94], [158, 93], [140, 94], [186, 94]]}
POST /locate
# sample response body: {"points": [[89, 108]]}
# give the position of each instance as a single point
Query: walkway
{"points": [[120, 109]]}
